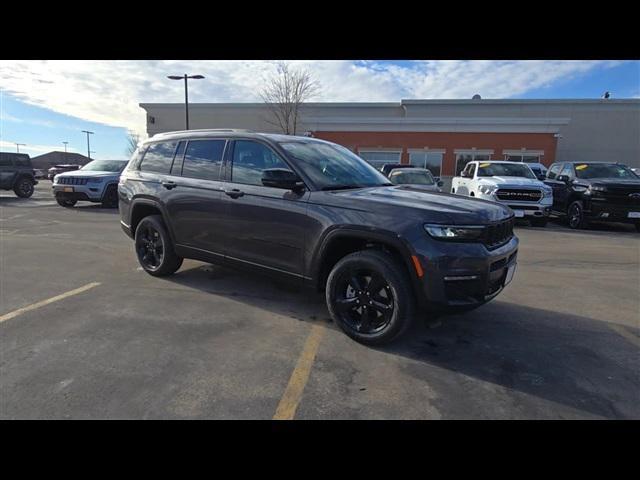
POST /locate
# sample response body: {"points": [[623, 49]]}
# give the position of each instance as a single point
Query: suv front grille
{"points": [[621, 196], [72, 180], [498, 234], [520, 195]]}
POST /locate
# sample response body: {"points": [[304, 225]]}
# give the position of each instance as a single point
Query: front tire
{"points": [[154, 247], [110, 197], [23, 188], [575, 216], [369, 297], [63, 202]]}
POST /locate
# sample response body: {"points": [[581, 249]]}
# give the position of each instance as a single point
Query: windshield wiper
{"points": [[341, 187]]}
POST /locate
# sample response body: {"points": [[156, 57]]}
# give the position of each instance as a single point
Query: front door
{"points": [[263, 226]]}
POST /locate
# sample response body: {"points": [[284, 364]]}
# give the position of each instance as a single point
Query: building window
{"points": [[526, 156], [463, 157], [377, 158], [432, 161]]}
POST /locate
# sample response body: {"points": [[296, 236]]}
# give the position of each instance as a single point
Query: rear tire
{"points": [[369, 297], [23, 187], [539, 222], [110, 197], [154, 248], [66, 202], [575, 216]]}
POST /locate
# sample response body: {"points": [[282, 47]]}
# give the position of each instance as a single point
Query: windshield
{"points": [[505, 170], [105, 166], [603, 170], [422, 177], [333, 167]]}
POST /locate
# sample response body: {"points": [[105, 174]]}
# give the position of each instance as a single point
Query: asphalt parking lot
{"points": [[561, 342]]}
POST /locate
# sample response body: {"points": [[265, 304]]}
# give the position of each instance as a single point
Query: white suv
{"points": [[511, 183]]}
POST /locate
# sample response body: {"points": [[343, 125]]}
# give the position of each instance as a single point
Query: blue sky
{"points": [[43, 103]]}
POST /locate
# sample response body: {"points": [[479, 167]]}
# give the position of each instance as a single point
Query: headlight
{"points": [[597, 188], [455, 232], [487, 189]]}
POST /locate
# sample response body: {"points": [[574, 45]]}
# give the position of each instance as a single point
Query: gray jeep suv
{"points": [[97, 181], [313, 212], [17, 174]]}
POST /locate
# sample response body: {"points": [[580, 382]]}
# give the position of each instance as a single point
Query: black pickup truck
{"points": [[590, 191]]}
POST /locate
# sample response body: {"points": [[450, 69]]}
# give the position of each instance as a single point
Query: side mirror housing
{"points": [[463, 174], [439, 182], [281, 178], [562, 178]]}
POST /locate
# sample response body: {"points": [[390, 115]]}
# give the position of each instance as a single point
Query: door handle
{"points": [[169, 184], [234, 193]]}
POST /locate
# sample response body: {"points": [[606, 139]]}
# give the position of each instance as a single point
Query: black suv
{"points": [[314, 212], [17, 174], [589, 191]]}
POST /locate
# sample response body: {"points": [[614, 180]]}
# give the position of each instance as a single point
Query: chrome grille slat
{"points": [[518, 194]]}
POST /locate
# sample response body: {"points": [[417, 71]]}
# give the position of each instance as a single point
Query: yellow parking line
{"points": [[289, 402], [33, 306], [626, 334]]}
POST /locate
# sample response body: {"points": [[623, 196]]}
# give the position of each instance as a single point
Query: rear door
{"points": [[195, 206], [264, 226], [7, 171]]}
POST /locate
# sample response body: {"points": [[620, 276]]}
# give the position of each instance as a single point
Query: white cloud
{"points": [[109, 92]]}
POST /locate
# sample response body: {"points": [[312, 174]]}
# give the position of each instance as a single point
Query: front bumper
{"points": [[606, 212], [465, 274], [89, 192]]}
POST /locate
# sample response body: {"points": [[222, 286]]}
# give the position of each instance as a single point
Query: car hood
{"points": [[511, 181], [610, 182], [417, 201], [88, 174]]}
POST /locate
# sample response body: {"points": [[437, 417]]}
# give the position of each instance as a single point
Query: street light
{"points": [[88, 149], [185, 77], [65, 151], [18, 145]]}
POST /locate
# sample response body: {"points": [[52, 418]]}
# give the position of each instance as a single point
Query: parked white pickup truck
{"points": [[510, 183]]}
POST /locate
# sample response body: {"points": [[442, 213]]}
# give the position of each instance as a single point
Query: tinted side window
{"points": [[5, 161], [22, 162], [203, 159], [250, 159], [158, 157], [553, 171], [472, 169]]}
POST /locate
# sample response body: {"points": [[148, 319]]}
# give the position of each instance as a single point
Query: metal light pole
{"points": [[88, 149], [185, 77], [18, 145], [65, 151]]}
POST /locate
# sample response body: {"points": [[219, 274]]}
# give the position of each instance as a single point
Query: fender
{"points": [[374, 234], [154, 203]]}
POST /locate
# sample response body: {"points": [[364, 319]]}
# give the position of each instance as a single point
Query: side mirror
{"points": [[562, 178], [281, 178], [439, 182], [464, 174]]}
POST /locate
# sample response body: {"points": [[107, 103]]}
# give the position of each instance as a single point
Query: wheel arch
{"points": [[340, 242], [143, 207]]}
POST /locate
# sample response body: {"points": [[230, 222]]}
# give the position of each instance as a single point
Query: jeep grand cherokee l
{"points": [[314, 212]]}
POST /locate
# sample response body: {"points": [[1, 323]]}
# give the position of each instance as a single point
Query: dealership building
{"points": [[442, 135]]}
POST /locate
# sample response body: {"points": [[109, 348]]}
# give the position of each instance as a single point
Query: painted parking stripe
{"points": [[34, 306], [626, 334], [291, 398]]}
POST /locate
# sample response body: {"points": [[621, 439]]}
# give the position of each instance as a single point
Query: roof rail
{"points": [[202, 130]]}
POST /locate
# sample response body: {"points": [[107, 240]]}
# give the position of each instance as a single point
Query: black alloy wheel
{"points": [[24, 188], [364, 300], [575, 216], [149, 247]]}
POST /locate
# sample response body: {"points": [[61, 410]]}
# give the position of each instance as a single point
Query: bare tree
{"points": [[284, 93], [132, 142]]}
